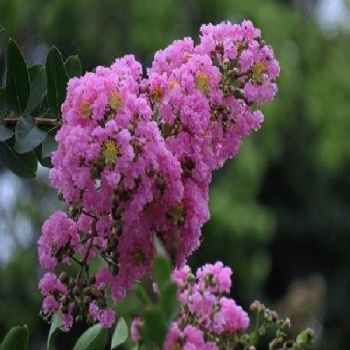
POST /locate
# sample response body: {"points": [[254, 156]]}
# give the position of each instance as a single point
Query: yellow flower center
{"points": [[157, 94], [202, 82], [241, 45], [172, 84], [176, 346], [110, 151], [187, 57], [258, 70], [115, 101], [86, 109], [138, 256], [177, 213]]}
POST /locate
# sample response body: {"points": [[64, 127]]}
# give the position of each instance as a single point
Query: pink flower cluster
{"points": [[135, 157], [207, 317]]}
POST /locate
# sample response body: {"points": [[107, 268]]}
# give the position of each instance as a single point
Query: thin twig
{"points": [[38, 121], [89, 214], [84, 262]]}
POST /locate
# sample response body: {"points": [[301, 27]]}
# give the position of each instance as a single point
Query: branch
{"points": [[38, 121], [84, 262]]}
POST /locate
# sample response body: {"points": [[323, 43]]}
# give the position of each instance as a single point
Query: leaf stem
{"points": [[38, 121]]}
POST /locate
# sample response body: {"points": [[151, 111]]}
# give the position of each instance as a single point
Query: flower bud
{"points": [[94, 290], [65, 309], [274, 316], [101, 303], [56, 293], [71, 282], [262, 330], [77, 291], [64, 277], [131, 128], [65, 300], [82, 284], [87, 300], [87, 291], [90, 320]]}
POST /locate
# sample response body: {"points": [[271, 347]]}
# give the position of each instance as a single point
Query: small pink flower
{"points": [[136, 323], [107, 318]]}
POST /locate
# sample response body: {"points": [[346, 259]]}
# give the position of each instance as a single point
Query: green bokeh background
{"points": [[280, 211]]}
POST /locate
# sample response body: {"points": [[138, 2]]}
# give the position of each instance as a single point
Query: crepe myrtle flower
{"points": [[134, 161]]}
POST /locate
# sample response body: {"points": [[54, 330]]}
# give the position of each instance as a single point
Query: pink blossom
{"points": [[235, 317], [67, 322], [106, 316], [50, 304], [49, 283], [136, 323], [57, 232], [135, 159]]}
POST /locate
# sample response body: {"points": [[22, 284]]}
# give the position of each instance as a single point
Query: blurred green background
{"points": [[280, 211]]}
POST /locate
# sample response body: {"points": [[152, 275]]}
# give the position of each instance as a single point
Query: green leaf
{"points": [[57, 79], [3, 36], [17, 78], [159, 246], [49, 144], [45, 107], [24, 165], [54, 329], [169, 302], [305, 338], [5, 131], [95, 338], [161, 270], [34, 71], [37, 87], [16, 339], [141, 295], [45, 162], [155, 327], [3, 104], [73, 66], [28, 135], [120, 334]]}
